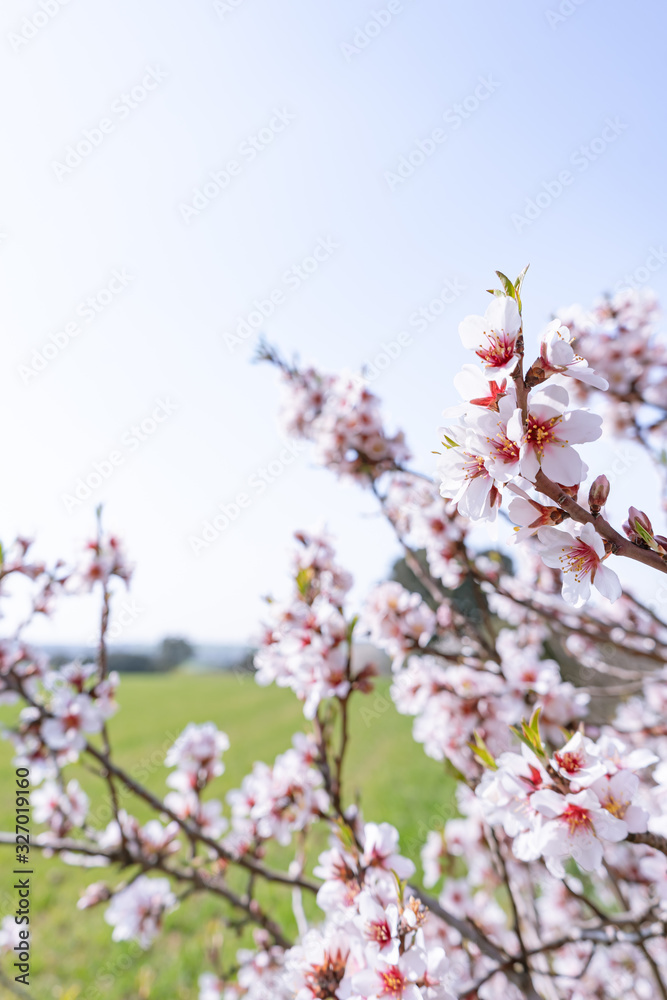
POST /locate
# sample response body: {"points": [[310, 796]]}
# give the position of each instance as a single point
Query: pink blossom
{"points": [[558, 357], [392, 980], [466, 481], [551, 430], [397, 619], [380, 842], [136, 912], [493, 336], [579, 552], [198, 752], [62, 808], [73, 715], [577, 826]]}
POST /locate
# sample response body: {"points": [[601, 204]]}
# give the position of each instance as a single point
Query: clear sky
{"points": [[311, 114]]}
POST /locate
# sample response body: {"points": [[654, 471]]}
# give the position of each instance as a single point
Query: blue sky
{"points": [[316, 105]]}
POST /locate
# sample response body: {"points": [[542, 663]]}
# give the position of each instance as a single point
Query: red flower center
{"points": [[577, 818], [499, 349], [540, 433], [379, 932], [393, 982], [571, 761]]}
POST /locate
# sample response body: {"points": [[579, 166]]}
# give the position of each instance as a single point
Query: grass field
{"points": [[74, 957]]}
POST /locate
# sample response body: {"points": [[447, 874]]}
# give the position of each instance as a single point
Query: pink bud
{"points": [[598, 493], [637, 517]]}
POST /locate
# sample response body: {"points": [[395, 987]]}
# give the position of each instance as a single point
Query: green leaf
{"points": [[530, 733], [517, 285], [643, 533], [509, 288], [534, 724], [303, 578], [401, 884], [519, 281], [482, 753], [449, 442], [519, 734]]}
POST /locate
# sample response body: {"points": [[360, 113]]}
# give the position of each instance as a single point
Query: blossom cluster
{"points": [[342, 417], [375, 940], [516, 432], [618, 336], [548, 858], [570, 805], [397, 620], [67, 704], [306, 646], [453, 701], [275, 802], [423, 520]]}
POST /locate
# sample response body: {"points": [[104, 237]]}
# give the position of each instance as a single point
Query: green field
{"points": [[74, 956]]}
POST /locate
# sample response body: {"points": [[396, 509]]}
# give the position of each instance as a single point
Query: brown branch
{"points": [[654, 840], [209, 883], [192, 831], [509, 965], [620, 546], [199, 878]]}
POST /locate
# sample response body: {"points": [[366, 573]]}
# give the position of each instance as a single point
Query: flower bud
{"points": [[597, 495], [637, 517]]}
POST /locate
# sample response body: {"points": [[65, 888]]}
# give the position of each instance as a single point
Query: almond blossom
{"points": [[550, 431], [316, 967], [62, 808], [136, 912], [557, 357], [490, 438], [398, 620], [472, 384], [380, 842], [579, 552], [397, 981], [493, 337], [579, 761], [616, 793], [198, 752], [73, 715], [379, 926], [575, 825], [465, 480]]}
